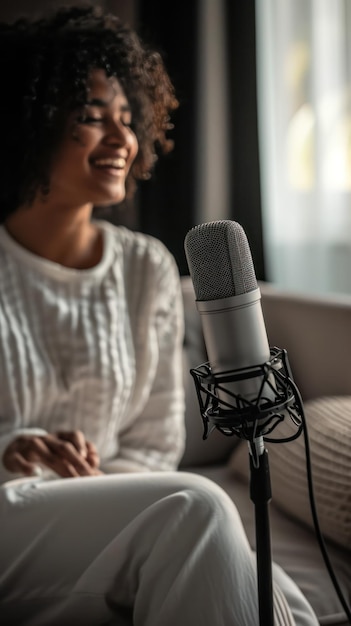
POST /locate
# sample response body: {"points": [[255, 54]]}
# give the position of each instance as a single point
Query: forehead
{"points": [[104, 87]]}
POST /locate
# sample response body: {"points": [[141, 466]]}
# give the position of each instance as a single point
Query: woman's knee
{"points": [[209, 499]]}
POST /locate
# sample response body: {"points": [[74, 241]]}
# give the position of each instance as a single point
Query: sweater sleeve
{"points": [[156, 438]]}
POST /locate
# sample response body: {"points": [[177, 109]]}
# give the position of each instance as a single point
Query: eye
{"points": [[128, 123], [87, 119], [125, 116]]}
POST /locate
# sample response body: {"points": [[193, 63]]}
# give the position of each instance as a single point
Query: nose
{"points": [[119, 134]]}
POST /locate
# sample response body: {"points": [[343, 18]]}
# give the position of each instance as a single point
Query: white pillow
{"points": [[329, 430]]}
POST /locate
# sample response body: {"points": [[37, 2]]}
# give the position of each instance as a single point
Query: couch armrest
{"points": [[316, 332]]}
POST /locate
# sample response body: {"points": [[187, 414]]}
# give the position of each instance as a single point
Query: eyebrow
{"points": [[98, 102]]}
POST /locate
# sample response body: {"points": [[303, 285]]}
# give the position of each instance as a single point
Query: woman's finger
{"points": [[47, 450], [77, 438], [92, 455], [15, 462], [67, 454]]}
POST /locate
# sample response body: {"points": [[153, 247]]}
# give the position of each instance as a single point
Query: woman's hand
{"points": [[68, 454]]}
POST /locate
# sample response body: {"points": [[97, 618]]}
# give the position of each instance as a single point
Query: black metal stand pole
{"points": [[260, 494]]}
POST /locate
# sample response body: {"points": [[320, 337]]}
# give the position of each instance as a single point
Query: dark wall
{"points": [[243, 125], [12, 9], [167, 201]]}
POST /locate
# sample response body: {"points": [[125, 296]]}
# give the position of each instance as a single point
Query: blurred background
{"points": [[263, 133]]}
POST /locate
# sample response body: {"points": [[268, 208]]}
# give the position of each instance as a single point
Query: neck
{"points": [[64, 236]]}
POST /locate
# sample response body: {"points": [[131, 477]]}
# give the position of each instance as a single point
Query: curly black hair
{"points": [[44, 67]]}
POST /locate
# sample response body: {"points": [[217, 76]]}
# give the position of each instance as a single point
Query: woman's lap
{"points": [[91, 545]]}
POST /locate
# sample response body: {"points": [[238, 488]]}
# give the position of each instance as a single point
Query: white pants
{"points": [[160, 549]]}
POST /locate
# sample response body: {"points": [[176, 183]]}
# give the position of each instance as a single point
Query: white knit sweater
{"points": [[99, 350]]}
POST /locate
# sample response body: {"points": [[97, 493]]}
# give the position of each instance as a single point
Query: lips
{"points": [[114, 167], [115, 163]]}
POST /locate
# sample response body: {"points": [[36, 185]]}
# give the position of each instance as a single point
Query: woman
{"points": [[97, 526]]}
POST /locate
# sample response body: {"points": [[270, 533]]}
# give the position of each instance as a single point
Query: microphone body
{"points": [[229, 303], [235, 338]]}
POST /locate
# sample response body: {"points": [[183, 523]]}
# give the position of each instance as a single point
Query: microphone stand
{"points": [[261, 495], [252, 421]]}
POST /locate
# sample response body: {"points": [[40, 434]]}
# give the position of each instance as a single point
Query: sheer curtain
{"points": [[304, 100]]}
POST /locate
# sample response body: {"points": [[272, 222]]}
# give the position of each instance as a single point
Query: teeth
{"points": [[118, 163]]}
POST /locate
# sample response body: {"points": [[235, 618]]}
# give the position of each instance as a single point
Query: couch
{"points": [[316, 332]]}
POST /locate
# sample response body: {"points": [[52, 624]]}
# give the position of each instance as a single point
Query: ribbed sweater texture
{"points": [[97, 350]]}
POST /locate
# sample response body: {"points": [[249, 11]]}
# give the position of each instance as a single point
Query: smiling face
{"points": [[97, 150]]}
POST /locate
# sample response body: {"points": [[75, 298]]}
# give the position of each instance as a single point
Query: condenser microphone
{"points": [[247, 385], [229, 302]]}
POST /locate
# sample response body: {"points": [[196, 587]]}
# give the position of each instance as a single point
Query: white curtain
{"points": [[304, 100]]}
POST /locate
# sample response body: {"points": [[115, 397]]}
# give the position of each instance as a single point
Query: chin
{"points": [[111, 199]]}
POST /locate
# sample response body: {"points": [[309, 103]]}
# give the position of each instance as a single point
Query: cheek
{"points": [[73, 149], [133, 147]]}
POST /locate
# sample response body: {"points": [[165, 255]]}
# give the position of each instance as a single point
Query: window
{"points": [[304, 100]]}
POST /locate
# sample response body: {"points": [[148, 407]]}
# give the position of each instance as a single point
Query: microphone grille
{"points": [[219, 260]]}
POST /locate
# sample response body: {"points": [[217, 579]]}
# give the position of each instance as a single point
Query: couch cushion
{"points": [[329, 432]]}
